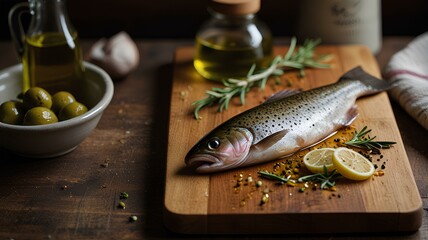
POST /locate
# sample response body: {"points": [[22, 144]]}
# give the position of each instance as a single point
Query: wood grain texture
{"points": [[208, 203]]}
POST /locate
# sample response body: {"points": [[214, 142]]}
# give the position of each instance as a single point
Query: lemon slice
{"points": [[316, 159], [352, 165]]}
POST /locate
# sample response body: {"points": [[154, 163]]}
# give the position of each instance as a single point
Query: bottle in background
{"points": [[341, 22], [232, 40]]}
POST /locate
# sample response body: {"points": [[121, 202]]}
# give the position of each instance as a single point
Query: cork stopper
{"points": [[235, 7]]}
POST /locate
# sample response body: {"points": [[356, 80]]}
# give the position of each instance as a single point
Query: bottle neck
{"points": [[49, 16], [232, 18]]}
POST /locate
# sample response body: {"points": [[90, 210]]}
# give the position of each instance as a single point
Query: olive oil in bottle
{"points": [[219, 61], [52, 61], [232, 41], [49, 50]]}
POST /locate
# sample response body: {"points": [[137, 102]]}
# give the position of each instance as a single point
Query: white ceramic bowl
{"points": [[51, 140]]}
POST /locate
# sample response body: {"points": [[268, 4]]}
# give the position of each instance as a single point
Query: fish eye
{"points": [[213, 143]]}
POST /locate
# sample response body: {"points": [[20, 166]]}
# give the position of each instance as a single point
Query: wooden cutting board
{"points": [[212, 203]]}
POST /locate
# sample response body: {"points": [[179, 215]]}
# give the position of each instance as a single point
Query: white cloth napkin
{"points": [[407, 71]]}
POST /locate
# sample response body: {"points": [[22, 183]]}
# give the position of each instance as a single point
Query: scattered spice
{"points": [[379, 173], [184, 95], [247, 183], [121, 205], [124, 195], [291, 183], [133, 218], [64, 187], [333, 195], [265, 199]]}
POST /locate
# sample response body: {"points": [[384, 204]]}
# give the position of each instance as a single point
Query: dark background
{"points": [[181, 18]]}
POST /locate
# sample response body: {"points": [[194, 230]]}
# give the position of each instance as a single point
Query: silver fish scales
{"points": [[287, 122]]}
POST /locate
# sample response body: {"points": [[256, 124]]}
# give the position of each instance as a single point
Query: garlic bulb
{"points": [[118, 56]]}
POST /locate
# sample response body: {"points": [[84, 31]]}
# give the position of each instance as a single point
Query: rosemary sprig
{"points": [[326, 179], [360, 141], [299, 59], [272, 176]]}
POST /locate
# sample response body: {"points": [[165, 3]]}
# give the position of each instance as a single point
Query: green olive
{"points": [[39, 116], [37, 97], [12, 112], [72, 110], [60, 100]]}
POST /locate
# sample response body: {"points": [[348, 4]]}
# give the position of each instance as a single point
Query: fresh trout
{"points": [[287, 122]]}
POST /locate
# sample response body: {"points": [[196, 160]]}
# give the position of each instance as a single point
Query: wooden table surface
{"points": [[76, 196]]}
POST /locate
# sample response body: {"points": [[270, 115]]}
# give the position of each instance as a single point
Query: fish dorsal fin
{"points": [[282, 94], [271, 140]]}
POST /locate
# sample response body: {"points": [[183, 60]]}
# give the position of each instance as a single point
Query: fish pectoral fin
{"points": [[315, 143], [350, 116], [282, 94], [269, 141]]}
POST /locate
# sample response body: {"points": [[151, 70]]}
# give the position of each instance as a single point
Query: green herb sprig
{"points": [[360, 141], [272, 176], [326, 179], [300, 59]]}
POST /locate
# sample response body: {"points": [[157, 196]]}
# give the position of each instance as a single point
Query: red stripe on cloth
{"points": [[394, 73]]}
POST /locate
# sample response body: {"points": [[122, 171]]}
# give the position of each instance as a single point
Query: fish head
{"points": [[222, 149]]}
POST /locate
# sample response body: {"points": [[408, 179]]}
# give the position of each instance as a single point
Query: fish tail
{"points": [[373, 83]]}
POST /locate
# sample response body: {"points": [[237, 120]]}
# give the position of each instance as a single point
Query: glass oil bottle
{"points": [[50, 51], [232, 40]]}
